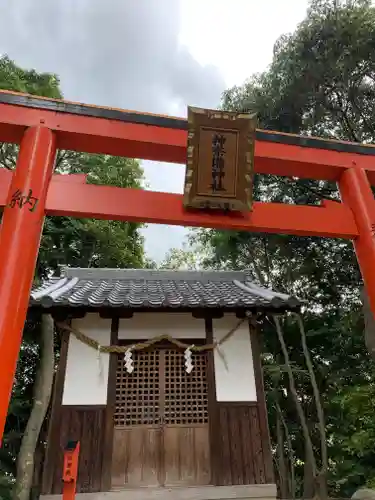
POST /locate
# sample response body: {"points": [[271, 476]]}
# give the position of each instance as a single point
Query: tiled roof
{"points": [[144, 288]]}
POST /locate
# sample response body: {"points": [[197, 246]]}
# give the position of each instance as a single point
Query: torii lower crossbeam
{"points": [[41, 126]]}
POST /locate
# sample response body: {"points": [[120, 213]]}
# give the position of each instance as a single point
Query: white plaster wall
{"points": [[86, 377], [234, 372], [145, 326]]}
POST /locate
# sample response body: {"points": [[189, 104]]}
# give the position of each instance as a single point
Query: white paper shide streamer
{"points": [[188, 359], [129, 361]]}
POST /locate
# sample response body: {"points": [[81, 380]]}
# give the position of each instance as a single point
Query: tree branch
{"points": [[43, 389], [291, 452], [293, 389], [322, 476]]}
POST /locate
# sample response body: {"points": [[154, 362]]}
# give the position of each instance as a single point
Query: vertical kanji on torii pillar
{"points": [[20, 234]]}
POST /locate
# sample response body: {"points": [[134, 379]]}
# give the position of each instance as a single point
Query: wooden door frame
{"points": [[161, 347], [110, 410]]}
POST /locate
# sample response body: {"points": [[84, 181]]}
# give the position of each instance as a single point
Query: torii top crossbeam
{"points": [[41, 126]]}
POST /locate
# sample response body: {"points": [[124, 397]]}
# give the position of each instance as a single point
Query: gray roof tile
{"points": [[144, 288]]}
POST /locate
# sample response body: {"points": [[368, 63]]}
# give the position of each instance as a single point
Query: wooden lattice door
{"points": [[161, 421]]}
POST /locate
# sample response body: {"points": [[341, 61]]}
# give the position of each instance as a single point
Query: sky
{"points": [[148, 55]]}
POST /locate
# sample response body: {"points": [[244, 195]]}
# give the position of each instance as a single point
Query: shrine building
{"points": [[183, 415]]}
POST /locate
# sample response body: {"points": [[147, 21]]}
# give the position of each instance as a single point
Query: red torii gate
{"points": [[41, 126]]}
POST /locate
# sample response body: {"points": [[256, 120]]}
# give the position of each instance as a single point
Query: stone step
{"points": [[242, 492]]}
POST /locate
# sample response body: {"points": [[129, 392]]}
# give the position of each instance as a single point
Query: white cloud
{"points": [[237, 35]]}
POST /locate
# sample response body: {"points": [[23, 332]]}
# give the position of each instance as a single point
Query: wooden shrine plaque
{"points": [[220, 160]]}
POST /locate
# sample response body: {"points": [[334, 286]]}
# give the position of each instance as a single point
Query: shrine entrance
{"points": [[161, 423], [161, 435]]}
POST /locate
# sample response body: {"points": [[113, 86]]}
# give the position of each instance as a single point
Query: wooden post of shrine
{"points": [[20, 234]]}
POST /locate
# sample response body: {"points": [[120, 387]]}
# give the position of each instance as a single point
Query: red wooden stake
{"points": [[70, 470], [20, 234]]}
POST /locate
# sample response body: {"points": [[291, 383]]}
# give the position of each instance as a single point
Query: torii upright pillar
{"points": [[356, 192], [20, 234]]}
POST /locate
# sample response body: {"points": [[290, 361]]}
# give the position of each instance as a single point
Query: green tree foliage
{"points": [[184, 258], [321, 82], [16, 79], [88, 242], [65, 241], [355, 438]]}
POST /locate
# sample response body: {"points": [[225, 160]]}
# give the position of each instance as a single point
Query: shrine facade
{"points": [[179, 400]]}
